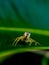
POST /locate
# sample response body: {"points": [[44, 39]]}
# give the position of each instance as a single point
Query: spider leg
{"points": [[18, 39], [14, 41], [37, 43], [32, 40], [30, 43]]}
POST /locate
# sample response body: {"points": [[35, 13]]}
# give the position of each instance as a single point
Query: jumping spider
{"points": [[26, 38]]}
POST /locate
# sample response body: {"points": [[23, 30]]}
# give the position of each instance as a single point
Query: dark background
{"points": [[24, 58]]}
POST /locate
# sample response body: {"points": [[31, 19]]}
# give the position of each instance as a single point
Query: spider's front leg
{"points": [[16, 41]]}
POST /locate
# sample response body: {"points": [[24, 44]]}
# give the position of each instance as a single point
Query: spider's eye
{"points": [[27, 33]]}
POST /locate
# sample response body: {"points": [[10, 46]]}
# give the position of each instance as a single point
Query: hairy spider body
{"points": [[25, 38]]}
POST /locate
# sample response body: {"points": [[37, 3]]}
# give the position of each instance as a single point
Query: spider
{"points": [[25, 38]]}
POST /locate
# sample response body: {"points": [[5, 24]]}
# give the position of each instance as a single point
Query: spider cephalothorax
{"points": [[25, 38], [26, 35]]}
